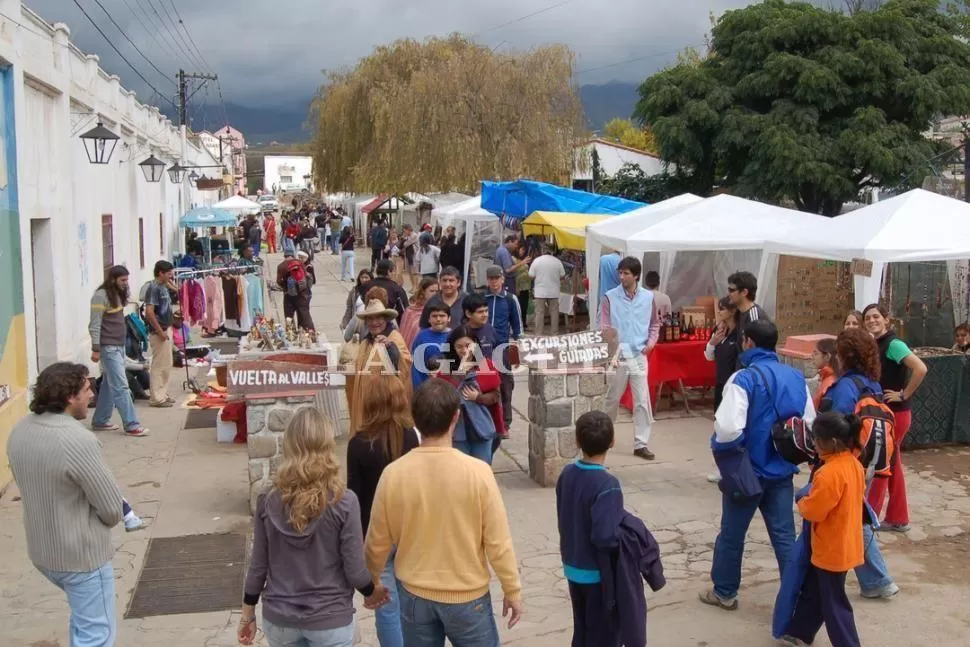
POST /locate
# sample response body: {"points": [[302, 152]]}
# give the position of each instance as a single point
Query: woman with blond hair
{"points": [[385, 434], [308, 546]]}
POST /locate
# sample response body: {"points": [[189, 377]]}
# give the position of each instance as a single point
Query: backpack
{"points": [[791, 436], [296, 278], [878, 433]]}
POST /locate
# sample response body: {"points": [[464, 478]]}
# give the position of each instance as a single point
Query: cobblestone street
{"points": [[183, 482]]}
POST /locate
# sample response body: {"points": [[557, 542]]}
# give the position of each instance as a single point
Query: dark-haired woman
{"points": [[724, 347], [902, 373], [858, 359]]}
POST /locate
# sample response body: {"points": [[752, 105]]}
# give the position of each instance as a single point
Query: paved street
{"points": [[183, 482]]}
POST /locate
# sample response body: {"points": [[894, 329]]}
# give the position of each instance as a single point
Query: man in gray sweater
{"points": [[109, 331], [70, 500]]}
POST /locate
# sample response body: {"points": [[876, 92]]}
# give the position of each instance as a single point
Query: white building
{"points": [[612, 156], [287, 172], [63, 220]]}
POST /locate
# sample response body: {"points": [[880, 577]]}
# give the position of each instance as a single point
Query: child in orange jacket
{"points": [[834, 507], [826, 362]]}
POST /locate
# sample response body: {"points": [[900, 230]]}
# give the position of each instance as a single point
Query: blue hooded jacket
{"points": [[844, 394], [789, 397], [504, 315]]}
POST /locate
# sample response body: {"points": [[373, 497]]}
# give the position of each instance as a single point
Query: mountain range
{"points": [[287, 124]]}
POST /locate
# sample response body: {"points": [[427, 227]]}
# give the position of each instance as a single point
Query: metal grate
{"points": [[191, 574]]}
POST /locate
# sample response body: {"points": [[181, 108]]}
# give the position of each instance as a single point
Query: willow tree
{"points": [[444, 114]]}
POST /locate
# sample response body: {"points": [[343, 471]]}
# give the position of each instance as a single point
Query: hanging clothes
{"points": [[254, 291], [245, 317], [214, 303], [230, 299]]}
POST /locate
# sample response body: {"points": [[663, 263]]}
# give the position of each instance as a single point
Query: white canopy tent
{"points": [[614, 232], [917, 226], [483, 234], [238, 205]]}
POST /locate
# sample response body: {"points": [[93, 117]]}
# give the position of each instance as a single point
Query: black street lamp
{"points": [[176, 172], [193, 176], [99, 144], [152, 168]]}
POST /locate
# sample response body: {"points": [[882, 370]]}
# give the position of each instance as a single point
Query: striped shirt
{"points": [[70, 499]]}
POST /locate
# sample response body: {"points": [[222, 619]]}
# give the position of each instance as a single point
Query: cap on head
{"points": [[494, 272]]}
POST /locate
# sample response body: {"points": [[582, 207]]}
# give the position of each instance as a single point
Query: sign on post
{"points": [[861, 267], [587, 349], [261, 377]]}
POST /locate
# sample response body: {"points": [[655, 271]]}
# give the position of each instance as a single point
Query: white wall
{"points": [[612, 158], [294, 166], [59, 93]]}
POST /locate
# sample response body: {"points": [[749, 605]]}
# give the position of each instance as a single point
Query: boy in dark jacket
{"points": [[589, 506]]}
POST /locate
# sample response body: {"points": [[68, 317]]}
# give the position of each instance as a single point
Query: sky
{"points": [[270, 53]]}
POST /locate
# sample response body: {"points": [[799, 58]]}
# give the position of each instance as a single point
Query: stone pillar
{"points": [[556, 400], [266, 419]]}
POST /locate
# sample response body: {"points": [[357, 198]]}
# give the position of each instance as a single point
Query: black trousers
{"points": [[590, 624], [823, 600], [523, 298], [299, 305], [376, 255]]}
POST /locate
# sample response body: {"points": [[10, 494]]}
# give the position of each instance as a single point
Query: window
{"points": [[161, 234], [107, 242], [286, 179], [141, 242]]}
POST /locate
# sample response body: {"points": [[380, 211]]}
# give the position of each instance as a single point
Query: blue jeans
{"points": [[427, 624], [289, 246], [291, 637], [480, 450], [387, 618], [91, 597], [347, 265], [874, 574], [775, 504], [114, 390], [334, 242]]}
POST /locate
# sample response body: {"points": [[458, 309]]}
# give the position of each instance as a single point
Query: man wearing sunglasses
{"points": [[742, 290]]}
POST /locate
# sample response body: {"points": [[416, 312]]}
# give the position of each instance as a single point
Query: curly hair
{"points": [[376, 292], [858, 351], [309, 477], [56, 385]]}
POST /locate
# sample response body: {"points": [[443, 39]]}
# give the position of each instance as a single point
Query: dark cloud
{"points": [[269, 53]]}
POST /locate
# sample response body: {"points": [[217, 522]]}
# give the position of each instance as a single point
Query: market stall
{"points": [[676, 363], [941, 405], [568, 230], [515, 201], [204, 220], [483, 234], [238, 205]]}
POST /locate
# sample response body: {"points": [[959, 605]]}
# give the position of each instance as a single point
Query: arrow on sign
{"points": [[535, 357]]}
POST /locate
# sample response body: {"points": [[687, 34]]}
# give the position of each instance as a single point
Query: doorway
{"points": [[45, 325]]}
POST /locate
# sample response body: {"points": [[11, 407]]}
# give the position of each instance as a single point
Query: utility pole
{"points": [[184, 97]]}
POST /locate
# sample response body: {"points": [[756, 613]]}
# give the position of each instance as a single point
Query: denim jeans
{"points": [[91, 597], [387, 618], [874, 574], [347, 265], [334, 242], [427, 624], [114, 390], [480, 450], [775, 504], [292, 637], [289, 246]]}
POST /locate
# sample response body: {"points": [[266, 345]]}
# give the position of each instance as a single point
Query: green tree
{"points": [[809, 106], [632, 183], [629, 134]]}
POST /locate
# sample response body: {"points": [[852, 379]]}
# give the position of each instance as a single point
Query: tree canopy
{"points": [[443, 114], [801, 104], [629, 134]]}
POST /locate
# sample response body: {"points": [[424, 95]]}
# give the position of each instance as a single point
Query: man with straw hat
{"points": [[382, 351]]}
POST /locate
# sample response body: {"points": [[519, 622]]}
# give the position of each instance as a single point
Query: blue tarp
{"points": [[513, 201], [208, 217]]}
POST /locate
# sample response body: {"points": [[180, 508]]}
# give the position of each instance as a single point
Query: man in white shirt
{"points": [[546, 272]]}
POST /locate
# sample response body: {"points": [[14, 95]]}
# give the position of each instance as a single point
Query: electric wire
{"points": [[637, 59], [151, 32], [174, 32], [185, 28], [130, 42], [521, 18], [118, 52], [165, 32]]}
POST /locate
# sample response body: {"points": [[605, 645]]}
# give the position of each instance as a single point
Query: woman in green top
{"points": [[523, 284], [901, 374]]}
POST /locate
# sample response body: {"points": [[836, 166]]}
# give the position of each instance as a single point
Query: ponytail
{"points": [[840, 428], [854, 423]]}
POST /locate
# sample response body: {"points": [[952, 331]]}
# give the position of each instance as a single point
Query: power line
{"points": [[151, 32], [174, 32], [165, 32], [140, 53], [636, 60], [191, 40], [118, 52], [521, 18], [225, 114]]}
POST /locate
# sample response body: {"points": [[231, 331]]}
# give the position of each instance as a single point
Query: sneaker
{"points": [[133, 522], [714, 477], [108, 427], [170, 399], [894, 527], [644, 453], [713, 599], [137, 432], [882, 593], [791, 641], [162, 405]]}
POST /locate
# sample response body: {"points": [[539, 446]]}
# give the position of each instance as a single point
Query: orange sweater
{"points": [[826, 378], [834, 506]]}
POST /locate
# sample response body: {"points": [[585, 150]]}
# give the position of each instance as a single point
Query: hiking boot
{"points": [[108, 427], [882, 593], [644, 453], [713, 599]]}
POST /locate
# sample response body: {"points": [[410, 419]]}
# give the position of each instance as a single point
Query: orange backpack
{"points": [[878, 435]]}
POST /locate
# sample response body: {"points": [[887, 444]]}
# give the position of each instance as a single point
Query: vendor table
{"points": [[682, 362], [941, 405]]}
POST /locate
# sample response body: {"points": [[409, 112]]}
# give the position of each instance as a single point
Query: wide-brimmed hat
{"points": [[302, 255], [375, 308]]}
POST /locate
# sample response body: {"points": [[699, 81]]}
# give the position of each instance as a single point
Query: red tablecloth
{"points": [[673, 361]]}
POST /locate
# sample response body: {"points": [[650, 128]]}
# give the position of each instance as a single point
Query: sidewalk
{"points": [[182, 482]]}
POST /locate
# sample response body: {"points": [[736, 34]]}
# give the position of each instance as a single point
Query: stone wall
{"points": [[556, 400], [266, 418]]}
